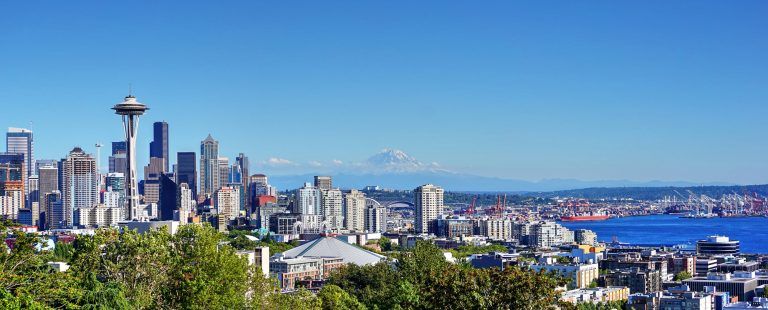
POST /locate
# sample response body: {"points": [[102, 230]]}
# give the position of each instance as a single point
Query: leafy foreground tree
{"points": [[154, 270], [195, 269], [422, 279]]}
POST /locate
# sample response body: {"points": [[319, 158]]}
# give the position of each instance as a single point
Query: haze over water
{"points": [[672, 230]]}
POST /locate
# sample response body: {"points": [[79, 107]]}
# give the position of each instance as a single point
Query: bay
{"points": [[673, 230]]}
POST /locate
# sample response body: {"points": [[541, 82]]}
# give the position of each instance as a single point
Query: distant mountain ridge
{"points": [[467, 182], [395, 169]]}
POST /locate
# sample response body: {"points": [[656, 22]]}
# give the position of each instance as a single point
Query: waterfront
{"points": [[672, 230]]}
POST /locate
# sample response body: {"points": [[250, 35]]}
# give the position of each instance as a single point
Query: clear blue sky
{"points": [[666, 90]]}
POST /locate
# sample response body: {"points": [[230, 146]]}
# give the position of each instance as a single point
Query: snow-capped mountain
{"points": [[395, 161]]}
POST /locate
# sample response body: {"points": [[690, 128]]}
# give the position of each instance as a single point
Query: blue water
{"points": [[672, 230]]}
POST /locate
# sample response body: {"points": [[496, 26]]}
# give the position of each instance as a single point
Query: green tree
{"points": [[385, 244], [299, 300], [682, 275], [376, 286], [333, 297], [100, 296], [422, 279], [204, 275], [63, 252], [593, 284]]}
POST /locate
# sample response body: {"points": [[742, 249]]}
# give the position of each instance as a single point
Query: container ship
{"points": [[589, 216]]}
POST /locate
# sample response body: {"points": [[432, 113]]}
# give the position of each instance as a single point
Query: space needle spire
{"points": [[130, 110]]}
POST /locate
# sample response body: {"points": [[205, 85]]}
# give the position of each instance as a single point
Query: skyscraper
{"points": [[323, 182], [118, 161], [158, 148], [186, 171], [12, 176], [240, 175], [167, 203], [209, 165], [81, 184], [429, 204], [20, 141], [225, 173], [354, 204], [48, 182], [333, 208], [54, 212], [33, 199], [131, 110]]}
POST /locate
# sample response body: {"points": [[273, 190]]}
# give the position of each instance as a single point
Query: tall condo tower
{"points": [[429, 204], [130, 110]]}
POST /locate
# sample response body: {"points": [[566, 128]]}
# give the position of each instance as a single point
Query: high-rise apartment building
{"points": [[429, 204], [158, 148], [186, 171], [354, 206], [227, 202], [81, 184], [333, 208], [375, 218], [186, 203], [309, 200], [323, 183], [209, 166]]}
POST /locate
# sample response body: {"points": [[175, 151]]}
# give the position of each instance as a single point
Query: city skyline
{"points": [[600, 99], [384, 155]]}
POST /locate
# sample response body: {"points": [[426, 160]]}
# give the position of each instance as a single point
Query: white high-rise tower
{"points": [[130, 109]]}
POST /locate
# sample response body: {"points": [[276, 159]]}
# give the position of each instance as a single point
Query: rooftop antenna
{"points": [[130, 90]]}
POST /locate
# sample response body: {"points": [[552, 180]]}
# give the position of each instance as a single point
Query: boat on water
{"points": [[589, 216]]}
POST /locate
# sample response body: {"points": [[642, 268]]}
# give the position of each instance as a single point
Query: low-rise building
{"points": [[740, 284], [453, 226], [638, 280], [756, 303], [581, 275], [596, 295], [291, 270], [682, 298], [494, 259]]}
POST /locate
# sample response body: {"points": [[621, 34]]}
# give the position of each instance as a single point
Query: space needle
{"points": [[130, 110]]}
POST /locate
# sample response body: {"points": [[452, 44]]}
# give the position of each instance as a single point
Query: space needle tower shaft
{"points": [[131, 110]]}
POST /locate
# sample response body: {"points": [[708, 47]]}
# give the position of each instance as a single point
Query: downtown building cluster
{"points": [[334, 226]]}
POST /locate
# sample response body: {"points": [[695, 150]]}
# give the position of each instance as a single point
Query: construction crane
{"points": [[471, 209]]}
